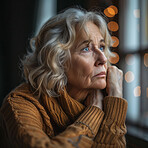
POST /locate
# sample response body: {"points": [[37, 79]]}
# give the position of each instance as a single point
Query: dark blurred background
{"points": [[128, 24], [20, 20]]}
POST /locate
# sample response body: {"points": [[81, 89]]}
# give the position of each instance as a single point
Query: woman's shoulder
{"points": [[20, 104], [24, 89], [21, 112], [21, 97]]}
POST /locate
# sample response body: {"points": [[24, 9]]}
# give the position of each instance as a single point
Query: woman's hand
{"points": [[114, 81], [113, 88], [94, 98]]}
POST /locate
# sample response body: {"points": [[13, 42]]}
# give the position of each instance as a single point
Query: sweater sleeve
{"points": [[24, 126], [112, 130]]}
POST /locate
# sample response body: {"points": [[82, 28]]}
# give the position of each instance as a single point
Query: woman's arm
{"points": [[24, 126], [112, 131]]}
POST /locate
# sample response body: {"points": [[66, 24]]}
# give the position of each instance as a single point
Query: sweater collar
{"points": [[63, 109], [71, 107]]}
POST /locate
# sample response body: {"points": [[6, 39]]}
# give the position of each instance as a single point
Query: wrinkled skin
{"points": [[88, 73]]}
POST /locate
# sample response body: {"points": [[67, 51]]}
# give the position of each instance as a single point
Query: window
{"points": [[134, 61], [46, 9]]}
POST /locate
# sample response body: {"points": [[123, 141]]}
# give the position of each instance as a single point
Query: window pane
{"points": [[144, 84], [47, 8], [130, 25], [144, 24], [132, 88]]}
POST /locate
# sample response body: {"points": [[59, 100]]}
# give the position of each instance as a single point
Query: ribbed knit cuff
{"points": [[91, 118], [115, 109]]}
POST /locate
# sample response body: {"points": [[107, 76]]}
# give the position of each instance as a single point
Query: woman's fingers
{"points": [[114, 81], [113, 88]]}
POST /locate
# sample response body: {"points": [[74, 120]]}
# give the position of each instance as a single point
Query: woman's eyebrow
{"points": [[88, 41], [102, 40], [84, 42]]}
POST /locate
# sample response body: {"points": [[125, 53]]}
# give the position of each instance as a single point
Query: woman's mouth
{"points": [[101, 74]]}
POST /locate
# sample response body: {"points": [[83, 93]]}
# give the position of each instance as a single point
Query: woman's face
{"points": [[88, 62]]}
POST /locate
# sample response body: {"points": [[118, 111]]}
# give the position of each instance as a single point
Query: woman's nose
{"points": [[100, 57]]}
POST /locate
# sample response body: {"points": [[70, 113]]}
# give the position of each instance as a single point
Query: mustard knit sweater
{"points": [[61, 122]]}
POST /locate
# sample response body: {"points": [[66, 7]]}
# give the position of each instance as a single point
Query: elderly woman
{"points": [[71, 97]]}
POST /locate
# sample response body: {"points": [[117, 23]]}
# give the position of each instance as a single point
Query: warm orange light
{"points": [[113, 26], [130, 59], [111, 11], [115, 41], [137, 91], [129, 77], [114, 8], [114, 59], [146, 59]]}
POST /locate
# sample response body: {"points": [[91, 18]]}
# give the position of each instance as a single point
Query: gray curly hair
{"points": [[44, 67]]}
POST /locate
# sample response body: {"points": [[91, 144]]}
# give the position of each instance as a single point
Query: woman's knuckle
{"points": [[120, 71], [112, 68]]}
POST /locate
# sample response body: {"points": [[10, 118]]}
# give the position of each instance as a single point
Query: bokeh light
{"points": [[146, 59], [115, 41], [136, 13], [130, 59], [113, 26], [129, 77], [111, 11], [114, 59], [137, 91], [114, 8]]}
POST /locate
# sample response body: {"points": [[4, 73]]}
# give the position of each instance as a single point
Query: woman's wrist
{"points": [[115, 93], [98, 106]]}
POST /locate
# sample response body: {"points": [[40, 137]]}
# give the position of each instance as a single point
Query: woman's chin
{"points": [[101, 85]]}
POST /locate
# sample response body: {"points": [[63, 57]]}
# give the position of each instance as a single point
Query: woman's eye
{"points": [[85, 49], [102, 48]]}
